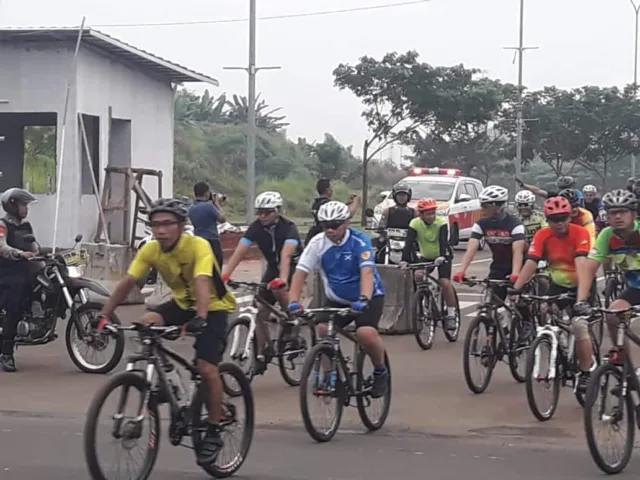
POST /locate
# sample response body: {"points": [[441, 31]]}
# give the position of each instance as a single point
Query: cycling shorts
{"points": [[555, 289], [369, 318], [499, 274]]}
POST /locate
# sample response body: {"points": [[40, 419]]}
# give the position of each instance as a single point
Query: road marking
{"points": [[464, 305], [463, 294]]}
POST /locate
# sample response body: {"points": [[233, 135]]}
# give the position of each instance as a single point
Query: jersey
{"points": [[191, 258], [532, 224], [500, 232], [272, 238], [625, 254], [594, 207], [340, 265], [585, 219], [561, 252], [432, 239]]}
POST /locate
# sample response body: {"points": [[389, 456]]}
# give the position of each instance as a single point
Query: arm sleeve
{"points": [[310, 257], [582, 244], [409, 244], [204, 259], [142, 263], [536, 250], [443, 240], [250, 235], [600, 250], [292, 237], [517, 231], [477, 232], [364, 250]]}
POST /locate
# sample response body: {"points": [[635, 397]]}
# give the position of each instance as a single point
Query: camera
{"points": [[221, 196]]}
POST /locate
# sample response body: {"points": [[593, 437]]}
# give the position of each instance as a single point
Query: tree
{"points": [[192, 108], [332, 159], [238, 113]]}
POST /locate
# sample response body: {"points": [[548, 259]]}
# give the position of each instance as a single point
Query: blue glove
{"points": [[294, 307], [360, 305]]}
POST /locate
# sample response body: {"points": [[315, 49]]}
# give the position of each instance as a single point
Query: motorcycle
{"points": [[58, 289], [390, 244]]}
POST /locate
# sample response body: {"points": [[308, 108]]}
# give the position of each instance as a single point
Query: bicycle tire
{"points": [[309, 364], [529, 381], [517, 356], [91, 423], [423, 320], [245, 322], [199, 401], [361, 401], [284, 371], [475, 324], [594, 390], [452, 336]]}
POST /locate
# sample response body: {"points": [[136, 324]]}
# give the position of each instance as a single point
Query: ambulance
{"points": [[457, 198]]}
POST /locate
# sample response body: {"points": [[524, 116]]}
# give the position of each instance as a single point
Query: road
{"points": [[436, 428]]}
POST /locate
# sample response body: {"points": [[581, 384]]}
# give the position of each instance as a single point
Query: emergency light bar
{"points": [[434, 171]]}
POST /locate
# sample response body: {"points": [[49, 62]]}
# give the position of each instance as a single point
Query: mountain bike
{"points": [[334, 378], [155, 378]]}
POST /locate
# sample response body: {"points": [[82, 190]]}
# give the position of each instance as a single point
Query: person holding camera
{"points": [[204, 214]]}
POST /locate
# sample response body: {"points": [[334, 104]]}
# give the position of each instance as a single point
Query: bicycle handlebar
{"points": [[473, 281], [547, 298], [252, 285]]}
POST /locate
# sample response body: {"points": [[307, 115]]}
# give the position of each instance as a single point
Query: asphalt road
{"points": [[436, 428]]}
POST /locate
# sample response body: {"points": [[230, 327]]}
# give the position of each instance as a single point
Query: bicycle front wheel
{"points": [[424, 324], [537, 378], [452, 335], [373, 411], [479, 348], [124, 428]]}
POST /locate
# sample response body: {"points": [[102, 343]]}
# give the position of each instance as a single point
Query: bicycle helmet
{"points": [[401, 187], [589, 189], [426, 204], [565, 182], [525, 197], [494, 193], [571, 195], [333, 211], [268, 200], [169, 205], [556, 206], [14, 197], [620, 199]]}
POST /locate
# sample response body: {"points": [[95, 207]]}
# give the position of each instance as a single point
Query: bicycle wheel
{"points": [[236, 350], [313, 385], [293, 351], [125, 432], [540, 353], [228, 462], [363, 402], [424, 325], [607, 379], [484, 351], [452, 336], [518, 351]]}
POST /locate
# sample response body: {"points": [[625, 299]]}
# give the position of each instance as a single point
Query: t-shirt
{"points": [[499, 231], [191, 258], [432, 240], [532, 224], [626, 255], [272, 238], [561, 252], [340, 265], [204, 218]]}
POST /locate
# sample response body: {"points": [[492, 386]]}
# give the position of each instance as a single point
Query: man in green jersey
{"points": [[619, 242], [431, 234]]}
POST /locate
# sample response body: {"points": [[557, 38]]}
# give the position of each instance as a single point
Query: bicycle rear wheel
{"points": [[366, 402], [483, 351], [540, 353], [228, 462], [518, 351], [424, 325], [293, 351]]}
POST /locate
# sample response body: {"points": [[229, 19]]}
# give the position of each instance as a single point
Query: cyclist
{"points": [[200, 302], [399, 215], [595, 206], [279, 242], [579, 216], [619, 242], [564, 182], [531, 220], [431, 234], [565, 247], [344, 257], [325, 192]]}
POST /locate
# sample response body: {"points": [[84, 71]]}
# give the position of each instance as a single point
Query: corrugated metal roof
{"points": [[171, 71]]}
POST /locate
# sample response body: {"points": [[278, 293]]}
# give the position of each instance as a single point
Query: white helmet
{"points": [[589, 189], [525, 196], [494, 193], [268, 200], [332, 211]]}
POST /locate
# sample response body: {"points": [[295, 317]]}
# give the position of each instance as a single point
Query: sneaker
{"points": [[211, 445], [450, 323], [8, 363], [583, 381], [380, 383]]}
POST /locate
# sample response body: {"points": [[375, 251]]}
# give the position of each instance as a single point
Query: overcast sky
{"points": [[581, 42]]}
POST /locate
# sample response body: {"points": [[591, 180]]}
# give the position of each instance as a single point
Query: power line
{"points": [[273, 17]]}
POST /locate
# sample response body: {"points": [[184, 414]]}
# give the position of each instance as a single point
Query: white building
{"points": [[125, 96]]}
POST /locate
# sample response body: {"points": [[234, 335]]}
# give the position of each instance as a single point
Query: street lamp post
{"points": [[636, 8]]}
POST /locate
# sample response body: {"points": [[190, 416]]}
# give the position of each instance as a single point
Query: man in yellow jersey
{"points": [[580, 216], [200, 301]]}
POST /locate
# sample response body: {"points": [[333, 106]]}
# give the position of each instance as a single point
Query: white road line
{"points": [[464, 294], [464, 305]]}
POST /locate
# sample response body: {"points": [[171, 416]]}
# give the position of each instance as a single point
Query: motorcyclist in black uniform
{"points": [[399, 215], [15, 249]]}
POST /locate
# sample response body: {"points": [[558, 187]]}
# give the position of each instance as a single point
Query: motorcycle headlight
{"points": [[76, 271], [396, 244], [442, 212], [378, 211]]}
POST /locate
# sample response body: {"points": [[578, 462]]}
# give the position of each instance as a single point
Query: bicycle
{"points": [[152, 373], [429, 308], [289, 345], [346, 384], [614, 285], [508, 342], [554, 333], [625, 411]]}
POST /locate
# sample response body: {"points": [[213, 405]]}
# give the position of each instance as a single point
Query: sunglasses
{"points": [[332, 225], [557, 218], [523, 205], [265, 212]]}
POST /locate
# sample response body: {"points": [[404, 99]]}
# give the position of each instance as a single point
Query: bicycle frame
{"points": [[333, 339]]}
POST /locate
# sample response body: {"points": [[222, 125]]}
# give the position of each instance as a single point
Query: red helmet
{"points": [[556, 206], [426, 204]]}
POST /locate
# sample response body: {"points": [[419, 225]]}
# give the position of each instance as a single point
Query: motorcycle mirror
{"points": [[78, 238], [368, 213]]}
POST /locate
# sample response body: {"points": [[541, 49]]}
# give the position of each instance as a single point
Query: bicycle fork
{"points": [[247, 343], [118, 417], [551, 332]]}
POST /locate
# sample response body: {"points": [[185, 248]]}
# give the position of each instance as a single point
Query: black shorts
{"points": [[269, 275], [499, 274], [444, 270], [555, 289], [631, 295], [210, 344], [369, 318]]}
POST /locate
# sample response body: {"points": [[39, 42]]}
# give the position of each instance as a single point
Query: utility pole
{"points": [[251, 114], [519, 120], [636, 8]]}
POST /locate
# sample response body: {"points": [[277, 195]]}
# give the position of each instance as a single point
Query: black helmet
{"points": [[620, 199], [14, 197], [169, 205], [571, 195], [565, 182], [401, 187]]}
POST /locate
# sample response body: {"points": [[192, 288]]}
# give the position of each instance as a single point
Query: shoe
{"points": [[211, 445], [380, 384], [8, 363], [583, 381], [450, 323]]}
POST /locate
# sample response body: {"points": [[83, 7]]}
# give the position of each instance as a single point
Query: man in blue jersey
{"points": [[346, 262]]}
